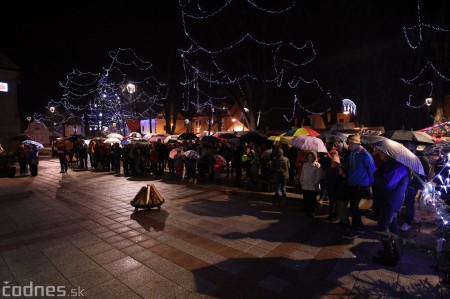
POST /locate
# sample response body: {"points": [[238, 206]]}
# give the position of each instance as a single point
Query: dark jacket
{"points": [[392, 178]]}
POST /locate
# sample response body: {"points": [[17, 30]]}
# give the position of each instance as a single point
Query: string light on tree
{"points": [[429, 75], [87, 95], [208, 73]]}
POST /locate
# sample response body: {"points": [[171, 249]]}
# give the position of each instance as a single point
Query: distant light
{"points": [[131, 88], [3, 87]]}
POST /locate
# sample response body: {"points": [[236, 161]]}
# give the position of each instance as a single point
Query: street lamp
{"points": [[131, 88], [428, 102], [52, 110]]}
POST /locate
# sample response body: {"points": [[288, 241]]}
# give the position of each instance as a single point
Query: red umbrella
{"points": [[220, 160]]}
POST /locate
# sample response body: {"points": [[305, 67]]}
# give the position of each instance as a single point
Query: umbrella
{"points": [[340, 127], [115, 135], [171, 138], [111, 140], [32, 142], [254, 136], [407, 136], [154, 137], [174, 152], [225, 135], [372, 139], [20, 138], [335, 135], [192, 154], [138, 140], [187, 136], [401, 154], [267, 154], [308, 143], [98, 138], [302, 132], [135, 135], [281, 138], [220, 160], [210, 138]]}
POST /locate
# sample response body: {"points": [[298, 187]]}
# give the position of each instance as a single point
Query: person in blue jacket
{"points": [[360, 167], [392, 179]]}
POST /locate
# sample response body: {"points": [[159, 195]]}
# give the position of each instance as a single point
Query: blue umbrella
{"points": [[32, 142]]}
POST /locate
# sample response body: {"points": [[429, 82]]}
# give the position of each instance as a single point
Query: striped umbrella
{"points": [[302, 132]]}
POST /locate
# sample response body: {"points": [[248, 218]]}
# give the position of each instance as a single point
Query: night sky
{"points": [[361, 49]]}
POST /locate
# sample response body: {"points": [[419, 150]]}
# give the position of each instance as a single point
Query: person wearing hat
{"points": [[361, 167]]}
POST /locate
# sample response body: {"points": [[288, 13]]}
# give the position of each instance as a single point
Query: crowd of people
{"points": [[28, 157], [344, 175]]}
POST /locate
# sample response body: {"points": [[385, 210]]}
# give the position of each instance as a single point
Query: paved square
{"points": [[78, 231]]}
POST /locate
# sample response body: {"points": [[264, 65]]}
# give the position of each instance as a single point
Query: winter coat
{"points": [[280, 167], [392, 179], [311, 175], [360, 168]]}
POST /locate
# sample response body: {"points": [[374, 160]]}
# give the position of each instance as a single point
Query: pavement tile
{"points": [[132, 249], [109, 256], [122, 243], [76, 267], [121, 266], [96, 248], [91, 278], [112, 288]]}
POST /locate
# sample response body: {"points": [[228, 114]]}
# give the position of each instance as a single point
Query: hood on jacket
{"points": [[311, 152]]}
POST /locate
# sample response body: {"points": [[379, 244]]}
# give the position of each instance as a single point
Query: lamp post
{"points": [[131, 88], [52, 110], [428, 102]]}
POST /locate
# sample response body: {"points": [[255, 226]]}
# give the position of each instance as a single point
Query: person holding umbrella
{"points": [[392, 179], [414, 186]]}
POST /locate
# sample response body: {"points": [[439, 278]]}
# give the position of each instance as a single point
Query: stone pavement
{"points": [[76, 234]]}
